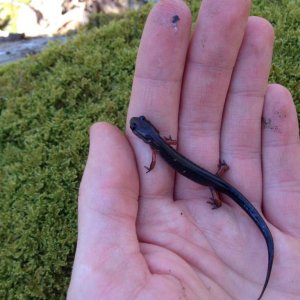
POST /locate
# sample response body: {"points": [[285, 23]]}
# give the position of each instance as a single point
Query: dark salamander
{"points": [[142, 128]]}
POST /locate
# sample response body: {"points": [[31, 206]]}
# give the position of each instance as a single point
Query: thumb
{"points": [[107, 209]]}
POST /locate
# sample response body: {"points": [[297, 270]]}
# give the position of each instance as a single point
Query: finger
{"points": [[157, 85], [107, 208], [241, 128], [212, 55], [281, 160]]}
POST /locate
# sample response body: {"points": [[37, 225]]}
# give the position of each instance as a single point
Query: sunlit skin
{"points": [[153, 236]]}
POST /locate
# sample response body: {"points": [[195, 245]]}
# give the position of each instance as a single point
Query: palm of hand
{"points": [[135, 241]]}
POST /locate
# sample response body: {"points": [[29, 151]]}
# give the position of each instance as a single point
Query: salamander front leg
{"points": [[153, 161], [170, 142]]}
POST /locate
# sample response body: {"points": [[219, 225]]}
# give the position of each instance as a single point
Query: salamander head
{"points": [[143, 129]]}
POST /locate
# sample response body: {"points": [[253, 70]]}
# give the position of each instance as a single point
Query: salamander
{"points": [[143, 129]]}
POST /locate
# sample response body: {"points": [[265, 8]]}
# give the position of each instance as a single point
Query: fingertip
{"points": [[104, 130], [110, 163], [280, 120], [98, 126], [165, 41], [280, 93], [171, 5], [109, 139], [280, 98], [263, 26]]}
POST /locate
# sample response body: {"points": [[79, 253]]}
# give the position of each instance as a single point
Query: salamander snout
{"points": [[133, 123], [137, 123]]}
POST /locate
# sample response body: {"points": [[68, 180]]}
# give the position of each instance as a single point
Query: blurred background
{"points": [[31, 18]]}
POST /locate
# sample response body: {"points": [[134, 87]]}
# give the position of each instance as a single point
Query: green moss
{"points": [[284, 15], [47, 104]]}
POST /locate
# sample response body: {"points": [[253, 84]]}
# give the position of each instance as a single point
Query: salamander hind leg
{"points": [[222, 168], [215, 200], [170, 141]]}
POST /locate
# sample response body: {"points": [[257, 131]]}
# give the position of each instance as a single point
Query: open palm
{"points": [[153, 236]]}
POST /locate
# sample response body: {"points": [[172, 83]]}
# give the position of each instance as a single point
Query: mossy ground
{"points": [[47, 104]]}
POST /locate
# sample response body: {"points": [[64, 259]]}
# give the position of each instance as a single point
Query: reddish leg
{"points": [[170, 141], [216, 199], [153, 162], [222, 168]]}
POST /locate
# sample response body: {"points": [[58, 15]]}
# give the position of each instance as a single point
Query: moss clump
{"points": [[47, 104], [284, 15]]}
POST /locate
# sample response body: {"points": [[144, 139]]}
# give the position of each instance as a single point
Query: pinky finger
{"points": [[281, 161]]}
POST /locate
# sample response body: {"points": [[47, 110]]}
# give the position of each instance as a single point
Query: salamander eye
{"points": [[132, 126], [142, 118]]}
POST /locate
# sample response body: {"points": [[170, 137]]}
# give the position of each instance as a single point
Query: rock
{"points": [[11, 51]]}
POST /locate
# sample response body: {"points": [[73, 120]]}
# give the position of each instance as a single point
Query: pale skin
{"points": [[153, 236]]}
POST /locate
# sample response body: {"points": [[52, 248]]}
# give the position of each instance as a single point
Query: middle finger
{"points": [[212, 54]]}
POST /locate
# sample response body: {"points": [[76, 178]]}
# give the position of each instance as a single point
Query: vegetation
{"points": [[47, 104]]}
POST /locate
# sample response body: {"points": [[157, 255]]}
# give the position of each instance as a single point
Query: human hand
{"points": [[153, 236]]}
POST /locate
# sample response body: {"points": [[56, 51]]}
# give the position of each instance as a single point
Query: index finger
{"points": [[157, 85]]}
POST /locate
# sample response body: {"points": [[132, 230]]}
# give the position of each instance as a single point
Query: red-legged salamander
{"points": [[143, 129]]}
